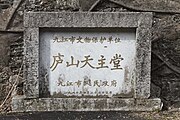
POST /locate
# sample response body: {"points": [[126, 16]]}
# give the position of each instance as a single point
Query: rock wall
{"points": [[165, 40]]}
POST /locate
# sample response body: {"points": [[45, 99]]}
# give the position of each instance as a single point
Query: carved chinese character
{"points": [[110, 39], [86, 61], [57, 60], [96, 83], [63, 39], [105, 83], [79, 39], [69, 83], [116, 62], [114, 83], [87, 40], [72, 62], [78, 83], [61, 81], [95, 39], [72, 39], [102, 39], [87, 81], [55, 39], [117, 40], [101, 63]]}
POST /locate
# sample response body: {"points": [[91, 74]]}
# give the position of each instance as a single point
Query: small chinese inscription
{"points": [[80, 39], [88, 82]]}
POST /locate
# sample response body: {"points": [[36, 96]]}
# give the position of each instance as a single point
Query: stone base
{"points": [[85, 104]]}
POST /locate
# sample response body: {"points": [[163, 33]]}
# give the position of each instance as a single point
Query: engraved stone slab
{"points": [[89, 62], [37, 77]]}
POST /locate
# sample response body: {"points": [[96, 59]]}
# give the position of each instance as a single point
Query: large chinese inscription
{"points": [[89, 63]]}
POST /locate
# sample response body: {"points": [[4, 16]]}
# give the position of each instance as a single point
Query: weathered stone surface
{"points": [[16, 23], [143, 62], [5, 48], [71, 5], [67, 19], [4, 4], [7, 15], [174, 107], [5, 74], [3, 19], [11, 47], [16, 53], [18, 86], [170, 92], [49, 5], [143, 22], [153, 5], [85, 5], [165, 33], [31, 60], [165, 64], [5, 84], [84, 104], [155, 91], [3, 91], [107, 6]]}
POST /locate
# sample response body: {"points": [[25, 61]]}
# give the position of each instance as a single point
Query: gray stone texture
{"points": [[33, 21], [11, 54], [165, 42], [31, 72], [153, 5], [84, 104]]}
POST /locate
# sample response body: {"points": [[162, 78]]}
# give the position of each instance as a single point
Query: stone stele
{"points": [[87, 62]]}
